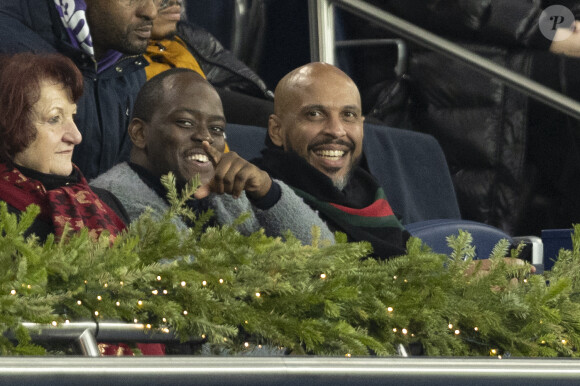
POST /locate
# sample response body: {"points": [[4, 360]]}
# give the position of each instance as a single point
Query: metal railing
{"points": [[323, 45], [228, 370], [86, 334], [286, 371]]}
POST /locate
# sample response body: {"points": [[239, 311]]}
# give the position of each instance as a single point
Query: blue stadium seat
{"points": [[554, 240], [435, 232], [411, 168], [247, 141]]}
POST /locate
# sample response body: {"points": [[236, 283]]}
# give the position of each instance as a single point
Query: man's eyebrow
{"points": [[217, 118], [322, 107], [313, 107], [196, 112]]}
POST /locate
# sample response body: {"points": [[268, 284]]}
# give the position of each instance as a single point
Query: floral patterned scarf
{"points": [[74, 204]]}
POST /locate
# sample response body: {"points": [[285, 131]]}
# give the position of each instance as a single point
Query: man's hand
{"points": [[569, 46], [484, 265], [233, 175]]}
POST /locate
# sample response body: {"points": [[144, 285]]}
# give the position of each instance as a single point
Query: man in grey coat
{"points": [[178, 125]]}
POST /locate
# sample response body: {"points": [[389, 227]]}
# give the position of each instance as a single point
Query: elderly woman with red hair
{"points": [[38, 95]]}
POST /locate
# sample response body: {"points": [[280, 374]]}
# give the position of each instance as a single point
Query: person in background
{"points": [[514, 161], [177, 43], [105, 40], [38, 95], [178, 126], [314, 144]]}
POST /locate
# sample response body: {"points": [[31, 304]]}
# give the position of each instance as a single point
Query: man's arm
{"points": [[275, 206], [292, 213], [20, 24], [289, 213]]}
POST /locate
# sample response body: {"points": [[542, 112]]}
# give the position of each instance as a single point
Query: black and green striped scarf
{"points": [[360, 210]]}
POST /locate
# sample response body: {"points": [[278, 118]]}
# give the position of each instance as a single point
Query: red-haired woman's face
{"points": [[56, 133]]}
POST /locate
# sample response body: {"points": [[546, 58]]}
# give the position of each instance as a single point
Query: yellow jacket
{"points": [[169, 53]]}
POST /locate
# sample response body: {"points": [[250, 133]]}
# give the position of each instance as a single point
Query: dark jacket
{"points": [[104, 110], [220, 66], [513, 161]]}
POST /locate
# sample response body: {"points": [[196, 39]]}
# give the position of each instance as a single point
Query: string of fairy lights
{"points": [[404, 332]]}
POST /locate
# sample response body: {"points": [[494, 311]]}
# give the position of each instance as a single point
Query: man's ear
{"points": [[136, 131], [275, 130]]}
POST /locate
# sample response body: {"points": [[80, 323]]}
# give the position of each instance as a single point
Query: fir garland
{"points": [[239, 292]]}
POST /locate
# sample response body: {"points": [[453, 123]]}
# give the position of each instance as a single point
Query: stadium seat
{"points": [[411, 168]]}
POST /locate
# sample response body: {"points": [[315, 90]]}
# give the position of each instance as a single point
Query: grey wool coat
{"points": [[289, 213]]}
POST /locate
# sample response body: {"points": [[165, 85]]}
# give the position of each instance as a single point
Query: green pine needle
{"points": [[241, 292]]}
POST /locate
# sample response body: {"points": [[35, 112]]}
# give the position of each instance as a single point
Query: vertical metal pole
{"points": [[321, 17], [240, 20], [88, 344]]}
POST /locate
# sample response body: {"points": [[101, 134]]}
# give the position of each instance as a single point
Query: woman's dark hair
{"points": [[21, 76]]}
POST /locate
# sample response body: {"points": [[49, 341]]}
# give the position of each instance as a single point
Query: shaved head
{"points": [[318, 115], [297, 80]]}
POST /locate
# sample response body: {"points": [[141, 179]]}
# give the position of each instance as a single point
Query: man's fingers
{"points": [[202, 192], [228, 175], [214, 155], [234, 174], [518, 262], [239, 180], [512, 261]]}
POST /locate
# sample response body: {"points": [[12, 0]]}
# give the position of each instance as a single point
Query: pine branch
{"points": [[212, 283]]}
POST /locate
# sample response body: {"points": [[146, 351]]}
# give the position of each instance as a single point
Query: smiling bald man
{"points": [[314, 144]]}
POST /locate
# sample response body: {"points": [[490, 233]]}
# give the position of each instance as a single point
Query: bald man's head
{"points": [[297, 80], [318, 115]]}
